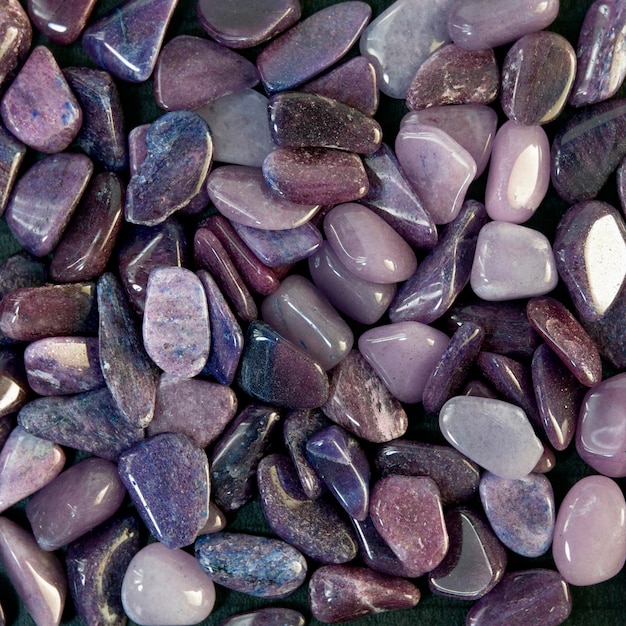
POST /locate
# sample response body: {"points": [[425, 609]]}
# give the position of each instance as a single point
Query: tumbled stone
{"points": [[22, 270], [216, 521], [16, 32], [12, 153], [39, 108], [510, 450], [294, 57], [164, 585], [360, 402], [314, 527], [270, 616], [406, 511], [14, 387], [62, 22], [61, 180], [547, 462], [340, 593], [589, 544], [453, 75], [276, 570], [478, 388]]}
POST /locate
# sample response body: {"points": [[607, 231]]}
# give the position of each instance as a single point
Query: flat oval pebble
{"points": [[270, 616], [510, 451], [61, 23], [590, 534], [166, 586], [17, 31], [259, 566]]}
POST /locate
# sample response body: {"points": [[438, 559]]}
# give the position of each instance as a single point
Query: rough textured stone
{"points": [[17, 31], [12, 153]]}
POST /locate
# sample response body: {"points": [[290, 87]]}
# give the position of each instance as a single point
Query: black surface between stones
{"points": [[601, 605]]}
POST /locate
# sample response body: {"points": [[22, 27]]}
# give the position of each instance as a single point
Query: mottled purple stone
{"points": [[14, 388], [192, 71], [314, 527], [12, 153], [102, 135], [341, 593], [453, 75], [22, 270], [270, 616], [44, 199], [167, 478], [533, 597], [39, 108], [95, 566], [16, 30], [295, 56], [236, 454]]}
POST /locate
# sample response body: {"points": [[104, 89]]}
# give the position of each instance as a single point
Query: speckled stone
{"points": [[276, 570], [314, 527], [14, 388], [12, 153], [22, 270], [270, 616], [16, 28]]}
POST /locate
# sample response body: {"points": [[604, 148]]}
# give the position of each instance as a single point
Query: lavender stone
{"points": [[12, 154], [62, 22]]}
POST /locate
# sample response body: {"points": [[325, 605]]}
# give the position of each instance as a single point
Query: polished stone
{"points": [[60, 22], [547, 462], [478, 388], [14, 387], [270, 616], [16, 30], [12, 153], [215, 523], [22, 270]]}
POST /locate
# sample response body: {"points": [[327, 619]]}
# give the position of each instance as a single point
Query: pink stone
{"points": [[404, 355], [589, 544]]}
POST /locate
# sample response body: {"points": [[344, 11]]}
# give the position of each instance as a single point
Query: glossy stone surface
{"points": [[39, 108], [276, 570], [537, 597], [44, 199], [439, 169], [17, 31], [12, 154], [444, 272], [14, 387], [75, 502], [360, 402], [475, 561], [510, 451], [340, 593], [401, 38], [37, 576], [167, 478], [406, 511], [270, 616], [273, 370], [453, 75], [519, 173], [168, 586], [590, 534], [27, 463], [294, 57], [192, 71], [534, 272], [537, 76], [404, 355], [216, 521], [61, 22]]}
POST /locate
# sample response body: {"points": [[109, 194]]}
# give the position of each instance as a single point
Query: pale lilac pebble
{"points": [[519, 173], [215, 522]]}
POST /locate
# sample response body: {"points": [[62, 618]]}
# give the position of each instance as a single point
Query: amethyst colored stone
{"points": [[96, 564], [587, 149], [44, 199], [16, 31], [534, 597], [274, 370], [270, 616], [127, 40], [14, 388], [537, 76], [601, 62], [247, 23], [453, 367], [37, 576], [22, 270], [480, 24], [444, 272], [341, 593], [88, 421], [39, 108], [547, 461], [61, 22], [558, 395], [276, 570], [360, 402], [181, 139], [102, 135], [315, 527], [167, 478], [12, 153], [295, 56], [406, 511], [89, 239], [236, 454], [63, 365], [27, 463], [479, 389], [439, 169], [391, 197], [34, 313], [475, 561], [75, 502], [130, 375], [359, 299], [192, 71], [453, 75], [226, 334], [315, 175], [137, 147]]}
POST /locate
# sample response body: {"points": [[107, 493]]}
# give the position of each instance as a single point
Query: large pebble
{"points": [[62, 23]]}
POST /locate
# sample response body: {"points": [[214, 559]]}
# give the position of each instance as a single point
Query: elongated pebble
{"points": [[17, 28], [270, 616], [12, 153]]}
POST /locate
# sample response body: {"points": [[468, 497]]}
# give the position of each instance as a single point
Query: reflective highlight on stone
{"points": [[271, 616], [14, 387], [12, 153]]}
